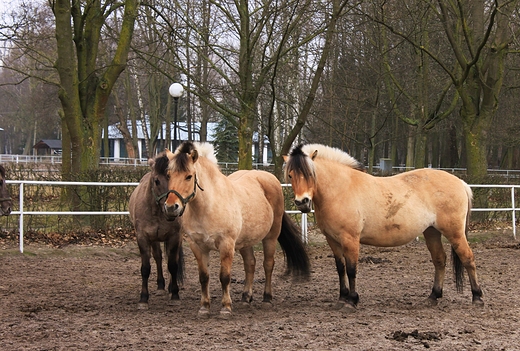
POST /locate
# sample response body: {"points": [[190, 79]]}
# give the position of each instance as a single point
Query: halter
{"points": [[183, 200], [2, 199]]}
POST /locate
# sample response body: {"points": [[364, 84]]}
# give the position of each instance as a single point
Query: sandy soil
{"points": [[85, 297]]}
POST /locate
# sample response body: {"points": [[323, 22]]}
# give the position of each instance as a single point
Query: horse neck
{"points": [[211, 187], [330, 175]]}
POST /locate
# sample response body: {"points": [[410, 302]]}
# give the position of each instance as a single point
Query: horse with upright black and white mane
{"points": [[353, 207], [227, 214], [6, 203]]}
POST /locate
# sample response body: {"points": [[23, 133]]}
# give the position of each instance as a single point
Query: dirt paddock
{"points": [[85, 298]]}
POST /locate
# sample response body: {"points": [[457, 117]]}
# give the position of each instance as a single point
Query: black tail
{"points": [[180, 266], [180, 263], [458, 267], [458, 270], [293, 248]]}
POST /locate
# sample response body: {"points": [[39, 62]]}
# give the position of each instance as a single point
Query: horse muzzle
{"points": [[304, 205], [173, 211], [5, 210]]}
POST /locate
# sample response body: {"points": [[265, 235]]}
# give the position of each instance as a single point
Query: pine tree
{"points": [[226, 141]]}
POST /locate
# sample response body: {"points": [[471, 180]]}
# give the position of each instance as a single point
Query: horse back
{"points": [[260, 196], [257, 184]]}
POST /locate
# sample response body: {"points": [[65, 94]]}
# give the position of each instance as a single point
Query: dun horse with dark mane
{"points": [[353, 207], [227, 214], [5, 198], [152, 227]]}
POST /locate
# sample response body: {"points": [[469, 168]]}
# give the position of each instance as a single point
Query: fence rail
{"points": [[21, 212]]}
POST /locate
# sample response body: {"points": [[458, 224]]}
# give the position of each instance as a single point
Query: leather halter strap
{"points": [[2, 199], [183, 200]]}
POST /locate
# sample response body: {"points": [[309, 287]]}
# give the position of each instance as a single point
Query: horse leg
{"points": [[434, 244], [350, 246], [173, 253], [269, 246], [248, 256], [202, 258], [340, 268], [227, 252], [157, 255], [464, 253], [144, 249]]}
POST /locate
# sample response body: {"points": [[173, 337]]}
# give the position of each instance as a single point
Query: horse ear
{"points": [[194, 155], [169, 154], [314, 154], [285, 158]]}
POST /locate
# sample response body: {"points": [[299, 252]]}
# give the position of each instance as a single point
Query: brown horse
{"points": [[5, 198], [152, 227], [227, 214], [353, 207]]}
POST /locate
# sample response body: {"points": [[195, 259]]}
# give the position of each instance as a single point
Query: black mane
{"points": [[161, 164], [182, 156], [299, 164]]}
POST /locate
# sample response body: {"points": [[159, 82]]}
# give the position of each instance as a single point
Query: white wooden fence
{"points": [[21, 212]]}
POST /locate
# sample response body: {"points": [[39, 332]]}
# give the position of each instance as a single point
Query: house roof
{"points": [[182, 133], [48, 144]]}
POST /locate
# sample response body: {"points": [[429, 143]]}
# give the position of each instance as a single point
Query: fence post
{"points": [[21, 217], [305, 238], [514, 211]]}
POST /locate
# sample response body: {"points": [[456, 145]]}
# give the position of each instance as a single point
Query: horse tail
{"points": [[293, 248], [458, 267], [180, 266]]}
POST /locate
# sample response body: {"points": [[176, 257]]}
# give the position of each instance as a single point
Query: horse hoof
{"points": [[339, 305], [161, 292], [431, 302], [175, 302], [349, 308], [225, 313], [478, 302], [267, 305], [175, 297], [203, 312], [142, 306]]}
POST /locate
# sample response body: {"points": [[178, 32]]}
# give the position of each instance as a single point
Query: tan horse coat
{"points": [[353, 207], [227, 214]]}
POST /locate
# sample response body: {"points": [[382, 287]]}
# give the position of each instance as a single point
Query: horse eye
{"points": [[1, 182], [189, 177], [290, 177], [157, 182]]}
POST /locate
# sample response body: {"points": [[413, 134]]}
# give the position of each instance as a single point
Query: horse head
{"points": [[5, 197], [299, 170], [159, 180], [182, 179]]}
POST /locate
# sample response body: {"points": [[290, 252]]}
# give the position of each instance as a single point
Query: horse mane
{"points": [[2, 171], [300, 164], [183, 153], [160, 163], [206, 150], [333, 154]]}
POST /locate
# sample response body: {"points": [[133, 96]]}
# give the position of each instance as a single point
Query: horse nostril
{"points": [[303, 201]]}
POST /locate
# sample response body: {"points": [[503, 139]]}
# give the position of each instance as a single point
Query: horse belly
{"points": [[399, 231]]}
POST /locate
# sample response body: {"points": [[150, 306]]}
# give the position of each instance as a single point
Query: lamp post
{"points": [[175, 91]]}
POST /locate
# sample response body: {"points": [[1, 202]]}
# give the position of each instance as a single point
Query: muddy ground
{"points": [[84, 297]]}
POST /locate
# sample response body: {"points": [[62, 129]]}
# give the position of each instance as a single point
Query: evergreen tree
{"points": [[226, 141]]}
